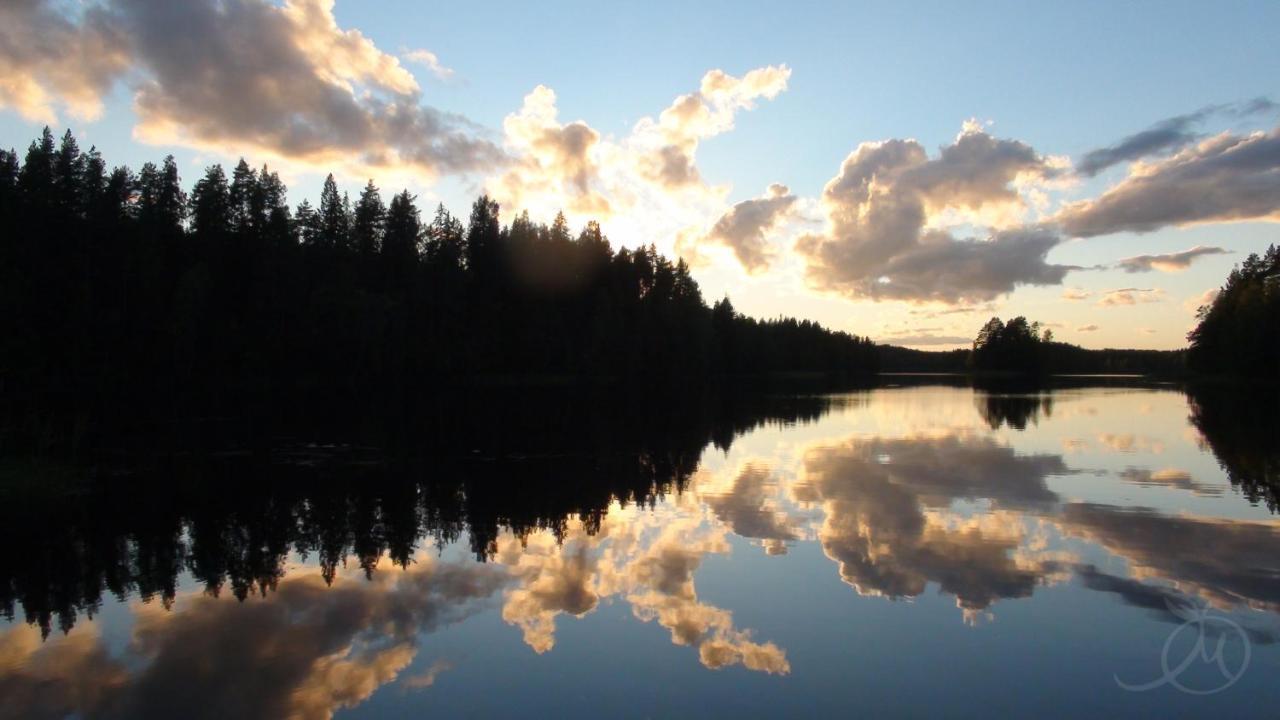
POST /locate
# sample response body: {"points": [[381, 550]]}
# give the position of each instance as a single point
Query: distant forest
{"points": [[118, 286], [1237, 336]]}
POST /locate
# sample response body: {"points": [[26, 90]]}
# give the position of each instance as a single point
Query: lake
{"points": [[922, 548]]}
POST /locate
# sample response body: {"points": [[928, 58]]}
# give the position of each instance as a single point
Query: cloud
{"points": [[668, 144], [247, 77], [1222, 179], [305, 652], [875, 492], [1227, 562], [305, 89], [746, 505], [745, 228], [1195, 302], [428, 59], [1076, 294], [650, 561], [1165, 603], [879, 243], [426, 678], [926, 338], [1128, 443], [48, 60], [1167, 135], [1168, 262], [1168, 477], [560, 161], [1130, 296], [1087, 328], [646, 183]]}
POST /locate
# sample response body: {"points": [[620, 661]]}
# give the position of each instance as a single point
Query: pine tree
{"points": [[68, 178], [35, 180], [370, 214], [211, 213], [403, 232], [334, 228], [243, 188]]}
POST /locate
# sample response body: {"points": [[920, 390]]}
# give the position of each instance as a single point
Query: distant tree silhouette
{"points": [[1014, 346]]}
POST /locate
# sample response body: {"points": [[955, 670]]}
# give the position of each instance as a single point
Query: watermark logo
{"points": [[1200, 645]]}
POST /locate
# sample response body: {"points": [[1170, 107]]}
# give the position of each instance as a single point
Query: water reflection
{"points": [[311, 576], [877, 495], [314, 648]]}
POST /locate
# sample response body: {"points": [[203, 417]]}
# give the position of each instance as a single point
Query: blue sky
{"points": [[1060, 79]]}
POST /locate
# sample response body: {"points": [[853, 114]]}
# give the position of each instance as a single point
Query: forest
{"points": [[1238, 333], [121, 286]]}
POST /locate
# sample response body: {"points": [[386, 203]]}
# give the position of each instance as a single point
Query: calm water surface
{"points": [[905, 552]]}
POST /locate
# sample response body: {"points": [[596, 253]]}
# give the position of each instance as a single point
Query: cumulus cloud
{"points": [[647, 179], [668, 145], [304, 89], [745, 228], [48, 60], [282, 81], [1168, 262], [306, 652], [879, 242], [1167, 135], [875, 493], [652, 568], [1130, 296], [1225, 178], [428, 59], [555, 160], [747, 507]]}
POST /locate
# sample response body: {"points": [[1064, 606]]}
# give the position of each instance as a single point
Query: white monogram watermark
{"points": [[1209, 636]]}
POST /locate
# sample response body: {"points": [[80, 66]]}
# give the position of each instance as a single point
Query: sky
{"points": [[903, 171]]}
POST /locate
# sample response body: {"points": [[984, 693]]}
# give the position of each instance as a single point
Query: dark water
{"points": [[905, 551]]}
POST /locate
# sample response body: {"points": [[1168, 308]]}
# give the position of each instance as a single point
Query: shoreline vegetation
{"points": [[128, 297]]}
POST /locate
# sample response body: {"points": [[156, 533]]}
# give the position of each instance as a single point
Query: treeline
{"points": [[1027, 347], [127, 284], [1238, 333], [1022, 347]]}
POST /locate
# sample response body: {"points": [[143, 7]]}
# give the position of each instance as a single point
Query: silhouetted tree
{"points": [[1238, 332]]}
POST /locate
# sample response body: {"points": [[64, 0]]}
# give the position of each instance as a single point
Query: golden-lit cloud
{"points": [[49, 61], [646, 184], [282, 82], [1130, 296], [428, 60], [646, 560], [882, 240], [305, 652], [1224, 178], [1226, 562], [885, 523], [1170, 478], [1168, 262], [745, 229]]}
